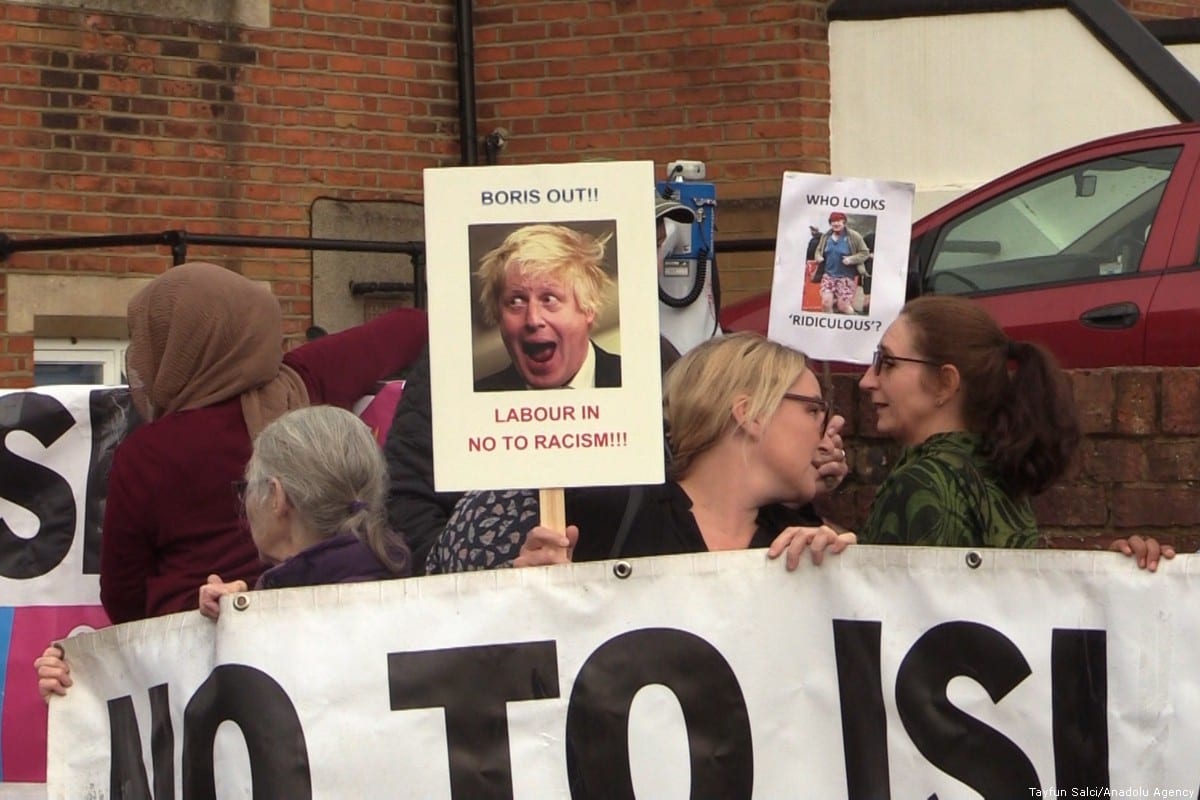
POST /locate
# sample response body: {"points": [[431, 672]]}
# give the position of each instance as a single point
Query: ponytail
{"points": [[369, 523], [1034, 431]]}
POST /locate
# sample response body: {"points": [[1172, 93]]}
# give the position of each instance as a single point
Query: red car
{"points": [[1092, 252]]}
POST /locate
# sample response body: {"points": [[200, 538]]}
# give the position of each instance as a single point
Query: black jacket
{"points": [[414, 508]]}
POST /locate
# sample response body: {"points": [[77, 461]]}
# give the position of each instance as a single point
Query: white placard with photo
{"points": [[543, 313], [841, 264]]}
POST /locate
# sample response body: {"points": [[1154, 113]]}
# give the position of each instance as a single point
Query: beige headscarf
{"points": [[200, 334]]}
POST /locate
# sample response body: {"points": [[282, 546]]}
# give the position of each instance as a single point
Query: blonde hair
{"points": [[702, 387], [541, 251], [334, 474]]}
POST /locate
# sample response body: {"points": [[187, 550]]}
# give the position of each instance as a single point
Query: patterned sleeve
{"points": [[922, 504], [486, 531]]}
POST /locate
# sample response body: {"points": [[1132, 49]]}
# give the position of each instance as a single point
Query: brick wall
{"points": [[1137, 470], [115, 124], [743, 86], [1162, 9]]}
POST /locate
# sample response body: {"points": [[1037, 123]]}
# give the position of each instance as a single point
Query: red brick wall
{"points": [[1137, 471], [112, 125], [1162, 9], [743, 86]]}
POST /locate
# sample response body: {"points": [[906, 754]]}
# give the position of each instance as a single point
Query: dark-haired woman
{"points": [[987, 422], [207, 372]]}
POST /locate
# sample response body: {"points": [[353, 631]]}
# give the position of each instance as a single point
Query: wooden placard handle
{"points": [[554, 509]]}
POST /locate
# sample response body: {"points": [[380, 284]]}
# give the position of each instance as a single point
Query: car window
{"points": [[1081, 223]]}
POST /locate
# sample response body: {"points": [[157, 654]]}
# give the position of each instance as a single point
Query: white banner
{"points": [[57, 447], [841, 264], [888, 671]]}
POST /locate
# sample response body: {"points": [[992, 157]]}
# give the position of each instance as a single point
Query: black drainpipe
{"points": [[464, 29]]}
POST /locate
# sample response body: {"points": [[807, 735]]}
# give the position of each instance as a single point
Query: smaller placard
{"points": [[841, 264]]}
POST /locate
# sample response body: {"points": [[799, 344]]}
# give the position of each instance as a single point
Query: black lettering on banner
{"points": [[951, 740], [45, 493], [714, 710], [473, 686], [113, 418], [864, 718], [127, 772], [252, 700], [1079, 665]]}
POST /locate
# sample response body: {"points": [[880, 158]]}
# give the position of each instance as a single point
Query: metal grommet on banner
{"points": [[974, 560], [622, 569], [241, 602]]}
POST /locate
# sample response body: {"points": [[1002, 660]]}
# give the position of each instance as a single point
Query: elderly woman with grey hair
{"points": [[313, 495]]}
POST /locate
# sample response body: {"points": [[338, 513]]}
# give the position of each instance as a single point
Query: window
{"points": [[252, 13], [79, 361], [1077, 224]]}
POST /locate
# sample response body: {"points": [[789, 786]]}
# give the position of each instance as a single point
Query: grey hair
{"points": [[334, 474]]}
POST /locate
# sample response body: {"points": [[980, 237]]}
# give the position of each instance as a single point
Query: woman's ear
{"points": [[741, 416], [949, 382], [277, 499]]}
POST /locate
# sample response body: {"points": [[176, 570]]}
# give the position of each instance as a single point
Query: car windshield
{"points": [[1081, 222]]}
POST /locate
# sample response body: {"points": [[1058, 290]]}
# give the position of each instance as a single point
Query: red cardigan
{"points": [[171, 516]]}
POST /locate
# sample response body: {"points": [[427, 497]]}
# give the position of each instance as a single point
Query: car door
{"points": [[1173, 323], [1069, 252]]}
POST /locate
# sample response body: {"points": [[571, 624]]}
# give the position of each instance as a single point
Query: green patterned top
{"points": [[943, 493]]}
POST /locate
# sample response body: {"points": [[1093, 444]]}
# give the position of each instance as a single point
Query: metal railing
{"points": [[178, 240]]}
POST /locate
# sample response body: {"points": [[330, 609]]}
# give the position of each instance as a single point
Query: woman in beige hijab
{"points": [[207, 371]]}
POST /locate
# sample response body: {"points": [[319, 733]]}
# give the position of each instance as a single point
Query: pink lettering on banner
{"points": [[25, 632]]}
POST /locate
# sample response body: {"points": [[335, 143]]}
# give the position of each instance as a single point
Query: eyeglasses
{"points": [[885, 359], [822, 407]]}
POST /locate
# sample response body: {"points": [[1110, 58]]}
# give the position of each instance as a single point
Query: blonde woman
{"points": [[745, 418]]}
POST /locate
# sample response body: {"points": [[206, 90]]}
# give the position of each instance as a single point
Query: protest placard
{"points": [[841, 264], [545, 368]]}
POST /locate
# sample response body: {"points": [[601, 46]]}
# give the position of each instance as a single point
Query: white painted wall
{"points": [[950, 102], [1188, 55]]}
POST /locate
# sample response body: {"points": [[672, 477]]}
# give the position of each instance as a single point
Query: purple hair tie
{"points": [[357, 506]]}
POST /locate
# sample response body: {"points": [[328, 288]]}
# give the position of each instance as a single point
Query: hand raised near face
{"points": [[830, 457]]}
